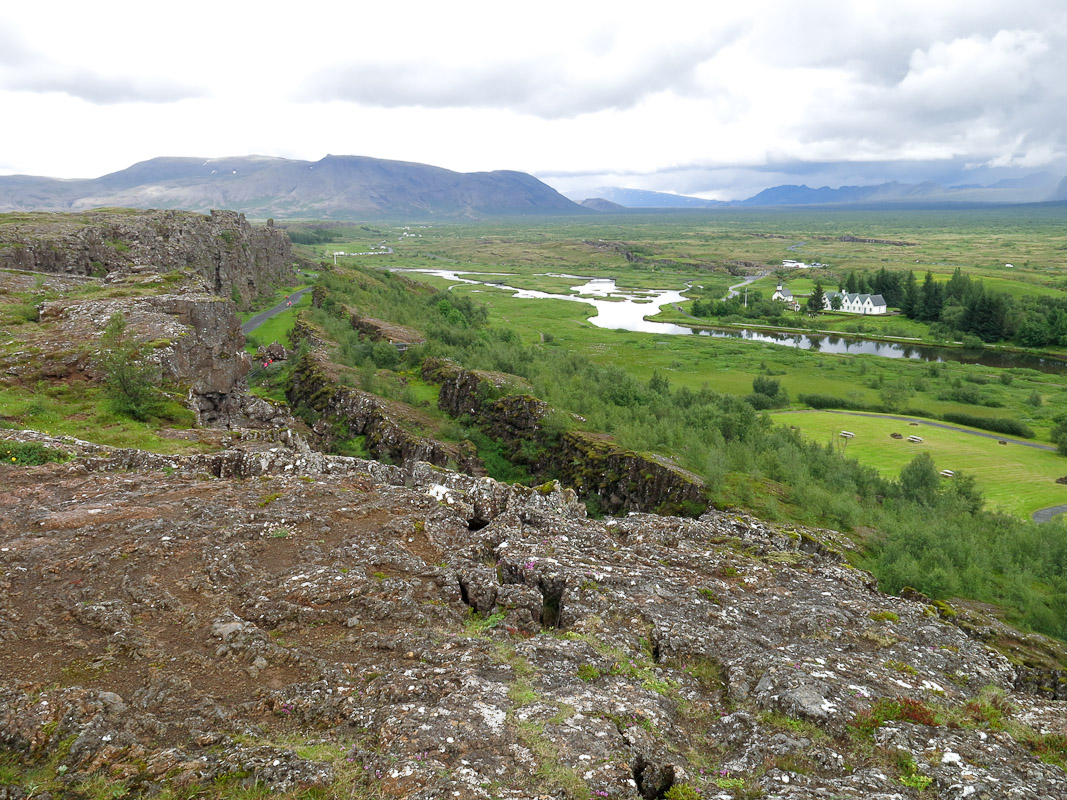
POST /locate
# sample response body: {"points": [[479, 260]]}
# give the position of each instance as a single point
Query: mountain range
{"points": [[354, 187], [336, 187], [1036, 188]]}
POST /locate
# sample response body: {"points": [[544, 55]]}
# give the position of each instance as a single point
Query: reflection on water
{"points": [[626, 310]]}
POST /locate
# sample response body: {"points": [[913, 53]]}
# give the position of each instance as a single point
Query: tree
{"points": [[131, 379], [919, 481], [835, 302], [816, 301], [932, 300]]}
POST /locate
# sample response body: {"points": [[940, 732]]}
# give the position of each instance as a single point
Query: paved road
{"points": [[1045, 514], [732, 292], [263, 316]]}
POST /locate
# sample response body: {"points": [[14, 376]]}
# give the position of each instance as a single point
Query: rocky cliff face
{"points": [[346, 412], [196, 339], [375, 631], [235, 260], [595, 466]]}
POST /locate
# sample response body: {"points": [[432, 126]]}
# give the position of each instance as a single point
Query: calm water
{"points": [[626, 310]]}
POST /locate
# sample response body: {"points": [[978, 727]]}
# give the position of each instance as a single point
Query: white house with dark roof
{"points": [[855, 303], [783, 295]]}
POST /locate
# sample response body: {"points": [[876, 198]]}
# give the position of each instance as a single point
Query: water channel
{"points": [[618, 309]]}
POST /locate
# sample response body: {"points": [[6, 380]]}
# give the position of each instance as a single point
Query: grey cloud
{"points": [[99, 89], [974, 96], [12, 51], [541, 87]]}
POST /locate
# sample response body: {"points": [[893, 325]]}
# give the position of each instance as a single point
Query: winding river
{"points": [[618, 309]]}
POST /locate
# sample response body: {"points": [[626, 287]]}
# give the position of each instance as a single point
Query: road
{"points": [[263, 316], [732, 292]]}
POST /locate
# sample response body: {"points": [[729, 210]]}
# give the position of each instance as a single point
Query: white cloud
{"points": [[678, 94]]}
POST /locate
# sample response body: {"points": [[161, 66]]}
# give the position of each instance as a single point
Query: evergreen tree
{"points": [[909, 295], [933, 298], [816, 302]]}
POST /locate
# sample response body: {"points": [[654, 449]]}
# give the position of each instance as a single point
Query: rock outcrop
{"points": [[345, 412], [196, 339], [234, 259], [594, 465], [364, 630]]}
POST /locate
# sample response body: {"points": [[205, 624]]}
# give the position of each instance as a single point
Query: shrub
{"points": [[29, 454], [829, 401], [131, 380], [1008, 425]]}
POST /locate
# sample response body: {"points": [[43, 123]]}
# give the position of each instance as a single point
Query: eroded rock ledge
{"points": [[313, 624], [593, 464]]}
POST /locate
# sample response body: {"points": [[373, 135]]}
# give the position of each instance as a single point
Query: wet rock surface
{"points": [[272, 614]]}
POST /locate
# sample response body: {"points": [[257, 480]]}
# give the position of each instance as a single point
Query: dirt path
{"points": [[263, 316]]}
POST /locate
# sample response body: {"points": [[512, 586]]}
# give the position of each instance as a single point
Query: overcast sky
{"points": [[718, 99]]}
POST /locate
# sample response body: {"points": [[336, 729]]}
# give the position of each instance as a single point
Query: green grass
{"points": [[82, 411], [1013, 478]]}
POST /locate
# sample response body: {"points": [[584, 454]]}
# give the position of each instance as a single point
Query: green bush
{"points": [[131, 379], [1006, 425], [29, 454]]}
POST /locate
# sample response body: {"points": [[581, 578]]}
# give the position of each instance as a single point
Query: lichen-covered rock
{"points": [[195, 338], [320, 622]]}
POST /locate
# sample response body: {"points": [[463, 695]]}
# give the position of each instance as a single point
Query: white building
{"points": [[783, 295], [856, 303]]}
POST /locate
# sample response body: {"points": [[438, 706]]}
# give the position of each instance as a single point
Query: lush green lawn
{"points": [[1012, 477]]}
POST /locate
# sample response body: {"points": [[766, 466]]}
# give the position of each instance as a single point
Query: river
{"points": [[618, 309]]}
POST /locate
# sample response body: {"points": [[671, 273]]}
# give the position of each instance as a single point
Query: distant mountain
{"points": [[1036, 188], [639, 198], [602, 205], [337, 187]]}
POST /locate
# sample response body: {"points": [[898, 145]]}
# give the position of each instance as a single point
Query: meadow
{"points": [[1012, 477]]}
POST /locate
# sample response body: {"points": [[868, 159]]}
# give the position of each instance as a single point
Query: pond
{"points": [[618, 309]]}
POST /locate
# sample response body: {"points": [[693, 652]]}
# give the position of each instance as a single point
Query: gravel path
{"points": [[1045, 514]]}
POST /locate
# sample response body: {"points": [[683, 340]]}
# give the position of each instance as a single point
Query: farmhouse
{"points": [[856, 303]]}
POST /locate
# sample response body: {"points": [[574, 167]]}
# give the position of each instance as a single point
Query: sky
{"points": [[713, 99]]}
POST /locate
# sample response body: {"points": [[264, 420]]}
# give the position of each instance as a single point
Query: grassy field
{"points": [[980, 241], [1014, 478]]}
